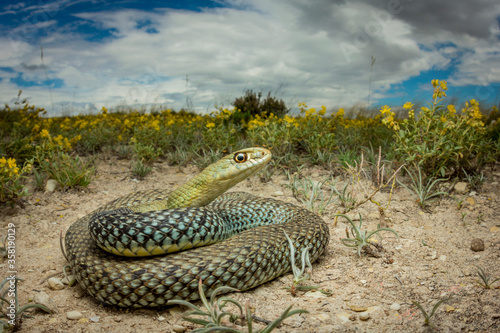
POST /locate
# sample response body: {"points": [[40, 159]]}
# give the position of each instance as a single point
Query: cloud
{"points": [[318, 52]]}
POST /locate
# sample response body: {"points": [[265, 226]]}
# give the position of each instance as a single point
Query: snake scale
{"points": [[244, 234]]}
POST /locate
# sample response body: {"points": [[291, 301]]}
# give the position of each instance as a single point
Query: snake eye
{"points": [[240, 157]]}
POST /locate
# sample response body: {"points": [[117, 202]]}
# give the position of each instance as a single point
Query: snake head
{"points": [[235, 167], [221, 176]]}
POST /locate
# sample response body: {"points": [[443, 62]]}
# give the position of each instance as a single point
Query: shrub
{"points": [[439, 140]]}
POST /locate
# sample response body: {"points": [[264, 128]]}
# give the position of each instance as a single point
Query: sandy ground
{"points": [[432, 260]]}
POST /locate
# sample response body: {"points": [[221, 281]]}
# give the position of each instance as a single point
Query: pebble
{"points": [[364, 316], [461, 187], [477, 244], [343, 316], [55, 284], [178, 328], [44, 299], [278, 194], [51, 185], [95, 319], [442, 257], [434, 255], [74, 315], [315, 294], [395, 306]]}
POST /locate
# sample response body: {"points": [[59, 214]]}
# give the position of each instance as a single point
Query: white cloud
{"points": [[319, 52]]}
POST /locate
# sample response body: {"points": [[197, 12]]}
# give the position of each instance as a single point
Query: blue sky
{"points": [[197, 54]]}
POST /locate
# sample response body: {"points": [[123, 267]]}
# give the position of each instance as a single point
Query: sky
{"points": [[75, 56]]}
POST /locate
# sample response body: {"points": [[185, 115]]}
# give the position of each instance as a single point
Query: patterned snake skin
{"points": [[250, 258]]}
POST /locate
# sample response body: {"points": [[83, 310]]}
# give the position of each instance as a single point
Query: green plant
{"points": [[347, 198], [309, 192], [363, 185], [347, 157], [11, 182], [439, 140], [146, 153], [215, 312], [251, 105], [207, 157], [298, 273], [361, 238], [485, 278], [11, 313], [475, 180], [69, 171], [458, 201], [427, 316], [39, 179], [141, 169], [422, 189]]}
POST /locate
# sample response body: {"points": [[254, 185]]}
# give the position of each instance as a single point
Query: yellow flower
{"points": [[407, 106], [385, 110], [3, 161], [44, 133], [443, 119], [451, 109], [210, 125]]}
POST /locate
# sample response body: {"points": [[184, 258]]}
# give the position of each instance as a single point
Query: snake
{"points": [[149, 247]]}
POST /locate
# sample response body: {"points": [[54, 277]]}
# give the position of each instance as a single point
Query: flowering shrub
{"points": [[438, 140], [12, 188]]}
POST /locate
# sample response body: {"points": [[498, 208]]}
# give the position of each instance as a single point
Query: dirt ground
{"points": [[431, 261]]}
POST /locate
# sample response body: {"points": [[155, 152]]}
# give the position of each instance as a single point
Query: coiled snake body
{"points": [[152, 222]]}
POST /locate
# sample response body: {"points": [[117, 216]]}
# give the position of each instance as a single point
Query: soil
{"points": [[431, 261]]}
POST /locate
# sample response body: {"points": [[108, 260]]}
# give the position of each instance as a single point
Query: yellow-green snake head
{"points": [[222, 175]]}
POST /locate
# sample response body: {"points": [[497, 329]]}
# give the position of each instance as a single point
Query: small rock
{"points": [[477, 244], [357, 308], [55, 284], [477, 256], [44, 299], [178, 328], [161, 318], [278, 194], [315, 294], [74, 315], [343, 316], [362, 281], [442, 257], [322, 317], [449, 308], [51, 185], [461, 187], [364, 316], [395, 306], [434, 255], [95, 319], [494, 229]]}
